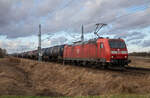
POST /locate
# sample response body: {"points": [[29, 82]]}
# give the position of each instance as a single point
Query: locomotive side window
{"points": [[101, 45]]}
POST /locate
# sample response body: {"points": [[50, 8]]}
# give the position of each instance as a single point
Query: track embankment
{"points": [[27, 77]]}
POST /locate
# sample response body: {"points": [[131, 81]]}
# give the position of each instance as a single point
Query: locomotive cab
{"points": [[118, 52]]}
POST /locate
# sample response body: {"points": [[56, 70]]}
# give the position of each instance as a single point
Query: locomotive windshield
{"points": [[117, 44]]}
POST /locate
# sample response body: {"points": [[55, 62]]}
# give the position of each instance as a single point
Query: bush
{"points": [[3, 53], [147, 54]]}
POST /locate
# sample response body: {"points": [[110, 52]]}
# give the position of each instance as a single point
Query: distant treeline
{"points": [[3, 53], [140, 54]]}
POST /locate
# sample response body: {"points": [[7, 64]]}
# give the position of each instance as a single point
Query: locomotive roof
{"points": [[90, 41], [85, 42]]}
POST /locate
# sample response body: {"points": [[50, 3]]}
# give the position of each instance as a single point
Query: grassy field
{"points": [[137, 61], [23, 77]]}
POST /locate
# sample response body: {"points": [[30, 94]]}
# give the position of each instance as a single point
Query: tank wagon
{"points": [[101, 51], [53, 53]]}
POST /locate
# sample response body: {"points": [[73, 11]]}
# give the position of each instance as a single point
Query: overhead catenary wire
{"points": [[120, 17], [47, 38], [125, 15], [133, 13]]}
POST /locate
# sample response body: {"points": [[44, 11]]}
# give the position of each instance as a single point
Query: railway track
{"points": [[138, 68], [136, 71]]}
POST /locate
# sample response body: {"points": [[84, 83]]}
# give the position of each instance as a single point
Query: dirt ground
{"points": [[27, 77]]}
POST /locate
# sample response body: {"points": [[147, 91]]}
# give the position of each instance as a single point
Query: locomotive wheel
{"points": [[84, 63], [102, 65], [64, 62]]}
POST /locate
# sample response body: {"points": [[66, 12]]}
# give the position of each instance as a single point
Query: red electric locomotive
{"points": [[102, 51]]}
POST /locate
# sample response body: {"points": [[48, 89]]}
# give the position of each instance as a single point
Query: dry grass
{"points": [[14, 60], [78, 81], [140, 61], [53, 79]]}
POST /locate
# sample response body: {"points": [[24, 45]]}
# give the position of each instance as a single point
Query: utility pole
{"points": [[22, 53], [39, 46], [17, 52], [82, 36]]}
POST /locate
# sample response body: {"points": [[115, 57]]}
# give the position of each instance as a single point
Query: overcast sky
{"points": [[62, 19]]}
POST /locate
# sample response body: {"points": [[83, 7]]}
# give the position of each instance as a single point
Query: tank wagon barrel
{"points": [[54, 53]]}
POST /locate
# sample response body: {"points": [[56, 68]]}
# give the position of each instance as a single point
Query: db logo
{"points": [[78, 51]]}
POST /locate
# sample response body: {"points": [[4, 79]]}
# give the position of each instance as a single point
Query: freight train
{"points": [[101, 51]]}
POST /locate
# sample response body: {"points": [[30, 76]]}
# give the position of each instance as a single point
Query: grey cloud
{"points": [[17, 45], [58, 41], [18, 18], [92, 12], [47, 6], [146, 43], [129, 36], [137, 42], [21, 18], [136, 36], [5, 12], [133, 21]]}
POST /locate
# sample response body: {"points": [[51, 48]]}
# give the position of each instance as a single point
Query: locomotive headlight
{"points": [[124, 52], [125, 56], [113, 52]]}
